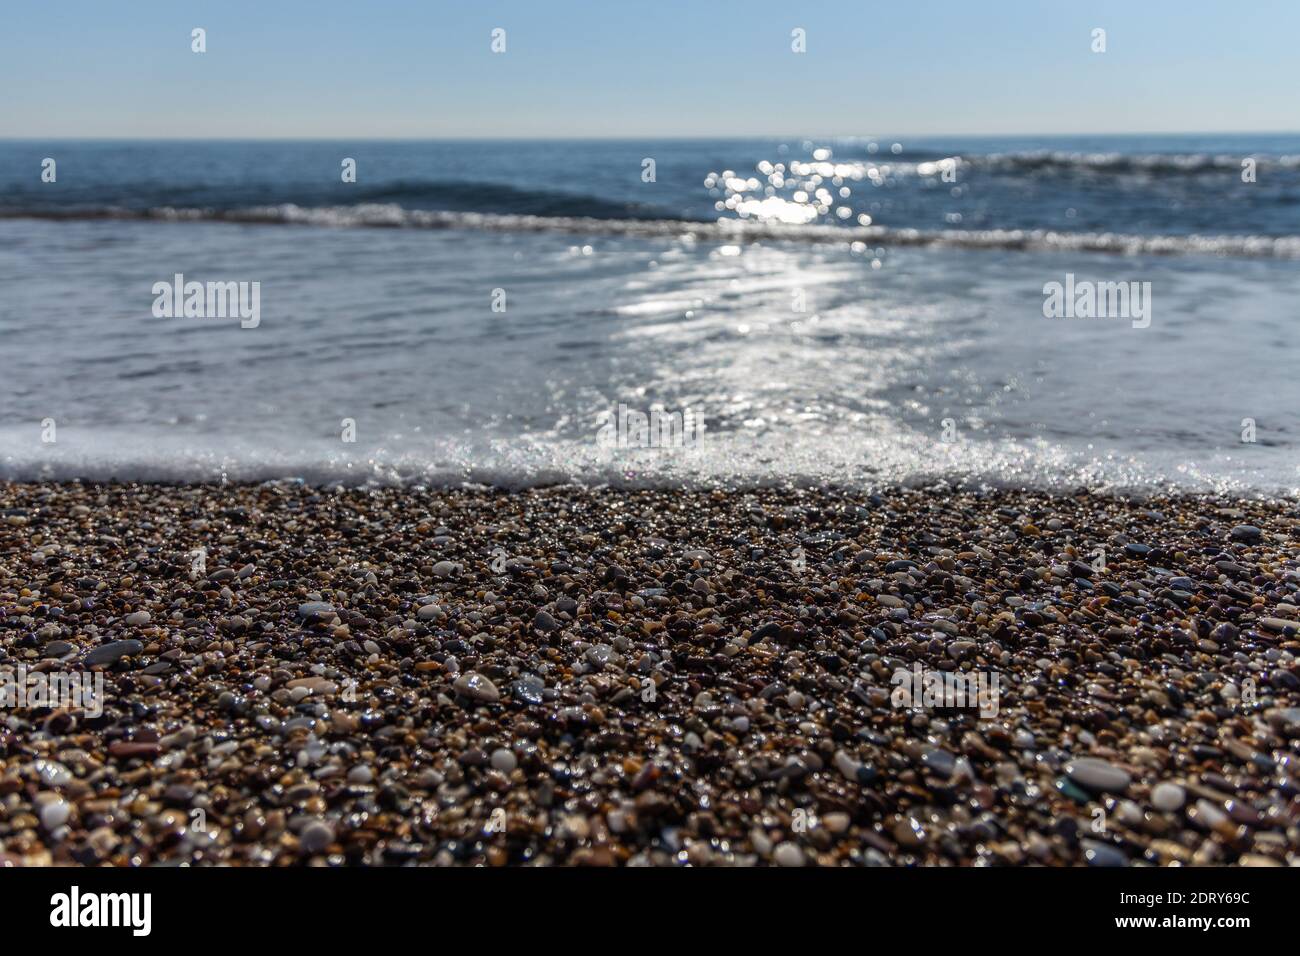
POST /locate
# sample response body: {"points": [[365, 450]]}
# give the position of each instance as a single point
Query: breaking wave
{"points": [[394, 216]]}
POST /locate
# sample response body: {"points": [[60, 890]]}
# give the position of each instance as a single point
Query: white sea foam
{"points": [[745, 229], [858, 458]]}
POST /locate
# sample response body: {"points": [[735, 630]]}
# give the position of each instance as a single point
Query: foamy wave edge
{"points": [[391, 216], [989, 469]]}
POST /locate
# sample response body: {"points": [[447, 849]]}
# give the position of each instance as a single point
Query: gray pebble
{"points": [[108, 653]]}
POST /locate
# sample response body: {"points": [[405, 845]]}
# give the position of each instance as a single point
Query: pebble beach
{"points": [[305, 676]]}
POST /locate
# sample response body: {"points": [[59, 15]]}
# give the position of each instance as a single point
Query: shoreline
{"points": [[834, 488], [606, 676]]}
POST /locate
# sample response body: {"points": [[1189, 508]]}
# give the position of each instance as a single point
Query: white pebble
{"points": [[788, 854], [315, 837], [1167, 797], [55, 813], [504, 760]]}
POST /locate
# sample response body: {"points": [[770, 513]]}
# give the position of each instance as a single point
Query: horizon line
{"points": [[622, 138]]}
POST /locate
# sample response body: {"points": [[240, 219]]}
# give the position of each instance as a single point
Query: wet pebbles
{"points": [[607, 677]]}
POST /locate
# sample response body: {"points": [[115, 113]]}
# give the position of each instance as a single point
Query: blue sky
{"points": [[402, 68]]}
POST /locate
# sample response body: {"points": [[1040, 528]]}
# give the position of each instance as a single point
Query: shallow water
{"points": [[851, 357]]}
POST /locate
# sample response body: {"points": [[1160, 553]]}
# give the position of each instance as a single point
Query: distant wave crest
{"points": [[393, 216], [1150, 163]]}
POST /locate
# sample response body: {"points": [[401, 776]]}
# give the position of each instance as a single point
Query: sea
{"points": [[863, 311]]}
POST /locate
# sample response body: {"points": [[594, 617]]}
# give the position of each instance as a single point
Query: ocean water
{"points": [[862, 311]]}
